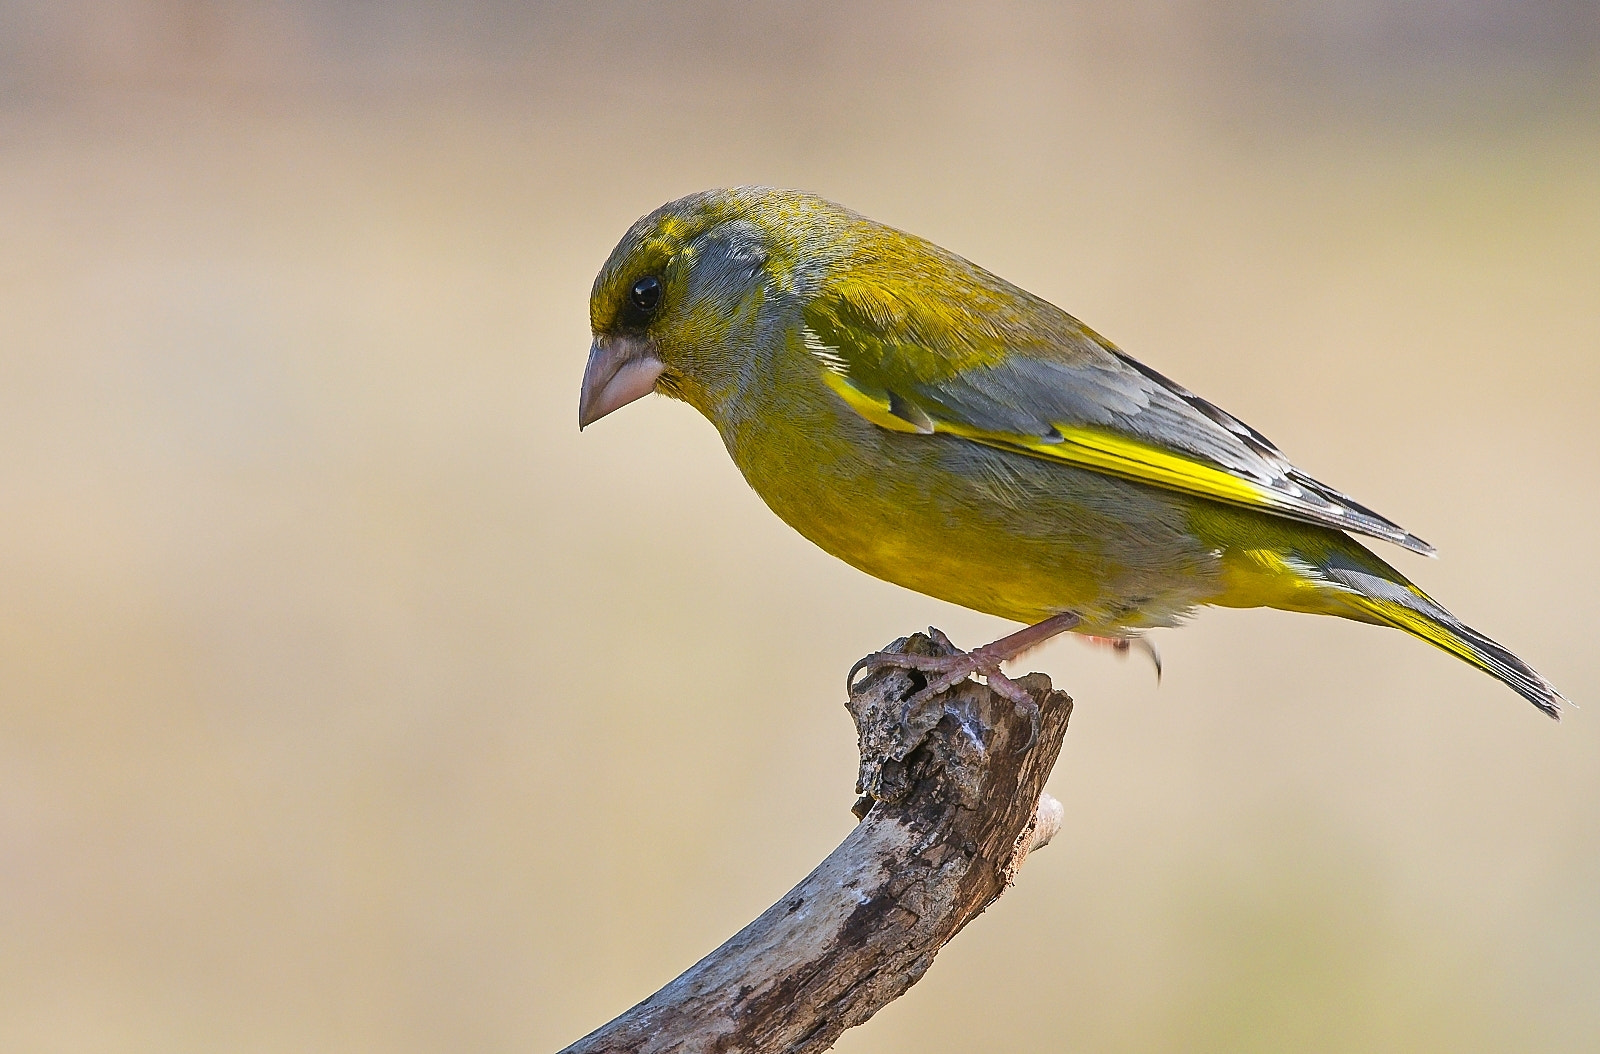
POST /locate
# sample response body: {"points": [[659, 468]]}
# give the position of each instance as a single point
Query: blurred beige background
{"points": [[350, 700]]}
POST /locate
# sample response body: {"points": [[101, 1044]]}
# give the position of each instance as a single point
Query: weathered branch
{"points": [[952, 805]]}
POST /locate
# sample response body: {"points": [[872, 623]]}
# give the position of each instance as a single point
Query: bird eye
{"points": [[646, 293]]}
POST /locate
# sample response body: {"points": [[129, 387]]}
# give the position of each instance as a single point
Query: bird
{"points": [[940, 428]]}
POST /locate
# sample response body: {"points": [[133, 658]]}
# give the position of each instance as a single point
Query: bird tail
{"points": [[1369, 590]]}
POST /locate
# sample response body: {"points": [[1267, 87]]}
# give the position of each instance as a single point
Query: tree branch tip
{"points": [[1047, 817]]}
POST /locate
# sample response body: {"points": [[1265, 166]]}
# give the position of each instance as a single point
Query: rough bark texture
{"points": [[951, 805]]}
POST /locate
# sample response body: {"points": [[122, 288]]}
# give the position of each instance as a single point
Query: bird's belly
{"points": [[991, 530]]}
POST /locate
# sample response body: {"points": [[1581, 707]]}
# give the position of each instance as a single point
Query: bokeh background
{"points": [[350, 700]]}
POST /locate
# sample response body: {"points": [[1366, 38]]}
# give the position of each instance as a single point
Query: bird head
{"points": [[688, 291]]}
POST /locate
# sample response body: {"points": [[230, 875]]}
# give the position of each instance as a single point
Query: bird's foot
{"points": [[945, 671], [1123, 645]]}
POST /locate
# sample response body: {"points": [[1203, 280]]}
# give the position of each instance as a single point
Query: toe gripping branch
{"points": [[943, 666], [921, 682]]}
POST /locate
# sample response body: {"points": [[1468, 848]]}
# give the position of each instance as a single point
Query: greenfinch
{"points": [[934, 425]]}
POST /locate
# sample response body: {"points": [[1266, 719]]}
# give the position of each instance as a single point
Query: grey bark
{"points": [[952, 802]]}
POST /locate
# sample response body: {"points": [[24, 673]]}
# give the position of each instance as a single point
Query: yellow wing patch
{"points": [[1121, 456], [876, 409]]}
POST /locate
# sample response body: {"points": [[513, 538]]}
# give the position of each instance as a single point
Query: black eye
{"points": [[646, 293]]}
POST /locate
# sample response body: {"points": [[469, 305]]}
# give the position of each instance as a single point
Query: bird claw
{"points": [[1022, 701], [1122, 645], [951, 669]]}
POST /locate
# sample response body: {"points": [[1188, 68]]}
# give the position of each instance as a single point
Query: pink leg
{"points": [[949, 670]]}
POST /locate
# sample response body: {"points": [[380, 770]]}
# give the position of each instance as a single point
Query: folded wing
{"points": [[1026, 376]]}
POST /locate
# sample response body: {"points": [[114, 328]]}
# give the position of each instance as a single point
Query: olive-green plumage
{"points": [[940, 428]]}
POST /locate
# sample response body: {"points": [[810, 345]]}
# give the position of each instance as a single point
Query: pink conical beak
{"points": [[621, 369]]}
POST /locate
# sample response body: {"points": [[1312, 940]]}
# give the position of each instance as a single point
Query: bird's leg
{"points": [[1122, 645], [948, 670]]}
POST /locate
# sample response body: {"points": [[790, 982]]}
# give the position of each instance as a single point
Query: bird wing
{"points": [[1001, 367]]}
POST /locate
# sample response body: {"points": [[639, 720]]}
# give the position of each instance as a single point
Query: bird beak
{"points": [[621, 369]]}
